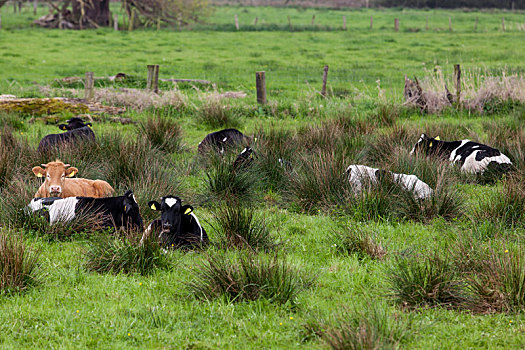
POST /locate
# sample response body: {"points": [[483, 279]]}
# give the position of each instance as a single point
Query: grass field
{"points": [[71, 307]]}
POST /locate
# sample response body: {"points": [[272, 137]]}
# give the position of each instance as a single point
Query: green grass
{"points": [[71, 307]]}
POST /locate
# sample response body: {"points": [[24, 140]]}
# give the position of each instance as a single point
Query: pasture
{"points": [[342, 255]]}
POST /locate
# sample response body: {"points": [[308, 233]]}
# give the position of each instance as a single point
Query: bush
{"points": [[241, 227], [18, 265], [355, 239], [373, 328], [247, 277], [430, 280], [124, 254], [162, 133], [213, 114]]}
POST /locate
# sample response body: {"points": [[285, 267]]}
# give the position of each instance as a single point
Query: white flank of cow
{"points": [[359, 174], [62, 210]]}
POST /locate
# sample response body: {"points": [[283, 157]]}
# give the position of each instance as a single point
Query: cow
{"points": [[177, 227], [244, 159], [58, 182], [75, 128], [475, 158], [361, 175], [221, 141], [121, 211]]}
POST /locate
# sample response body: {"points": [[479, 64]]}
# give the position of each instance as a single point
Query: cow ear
{"points": [[70, 172], [62, 126], [154, 205], [187, 209], [89, 124], [437, 138], [38, 171]]}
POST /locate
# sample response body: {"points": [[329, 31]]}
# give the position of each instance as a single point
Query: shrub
{"points": [[355, 239], [18, 264], [163, 133], [247, 277], [373, 328], [428, 280], [213, 114], [241, 227], [124, 254]]}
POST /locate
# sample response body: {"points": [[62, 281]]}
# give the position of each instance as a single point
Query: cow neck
{"points": [[444, 147]]}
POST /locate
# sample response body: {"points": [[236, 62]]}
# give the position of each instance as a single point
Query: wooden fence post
{"points": [[115, 22], [260, 84], [289, 23], [236, 18], [371, 22], [152, 83], [503, 23], [426, 23], [325, 78], [457, 81], [450, 24], [255, 21], [20, 4], [396, 24], [476, 25], [344, 22], [0, 21], [14, 6], [158, 23], [35, 6], [131, 20], [89, 84], [313, 20]]}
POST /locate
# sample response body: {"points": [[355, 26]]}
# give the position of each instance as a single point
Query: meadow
{"points": [[376, 271]]}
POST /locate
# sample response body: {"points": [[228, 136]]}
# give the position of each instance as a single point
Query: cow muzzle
{"points": [[166, 228], [55, 191]]}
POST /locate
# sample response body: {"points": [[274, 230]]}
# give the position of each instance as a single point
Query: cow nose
{"points": [[55, 189], [166, 226]]}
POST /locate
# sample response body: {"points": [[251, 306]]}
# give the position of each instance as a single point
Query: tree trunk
{"points": [[91, 13]]}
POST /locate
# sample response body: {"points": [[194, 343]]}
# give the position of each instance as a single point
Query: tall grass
{"points": [[18, 264], [163, 133], [247, 277], [214, 114], [356, 239]]}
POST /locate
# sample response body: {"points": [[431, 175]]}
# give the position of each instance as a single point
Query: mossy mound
{"points": [[42, 106]]}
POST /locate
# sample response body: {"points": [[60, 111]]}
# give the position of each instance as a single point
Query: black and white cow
{"points": [[475, 158], [177, 227], [244, 159], [220, 141], [121, 211], [76, 129], [362, 175]]}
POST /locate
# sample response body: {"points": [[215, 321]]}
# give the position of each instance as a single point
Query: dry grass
{"points": [[18, 264], [140, 100]]}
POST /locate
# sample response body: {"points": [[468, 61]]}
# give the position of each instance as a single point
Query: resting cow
{"points": [[222, 140], [121, 211], [475, 158], [177, 227], [244, 159], [58, 182], [361, 175], [76, 129]]}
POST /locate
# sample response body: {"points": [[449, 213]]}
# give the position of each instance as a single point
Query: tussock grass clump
{"points": [[18, 264], [247, 277], [241, 227], [163, 133], [354, 239], [371, 328], [124, 254], [507, 205], [139, 99], [214, 114], [320, 183], [428, 280]]}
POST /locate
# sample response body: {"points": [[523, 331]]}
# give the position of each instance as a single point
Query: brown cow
{"points": [[58, 183]]}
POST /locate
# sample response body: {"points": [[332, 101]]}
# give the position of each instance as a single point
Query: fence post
{"points": [[255, 21], [426, 23], [152, 83], [35, 6], [450, 24], [0, 21], [260, 84], [457, 81], [503, 23], [371, 22], [89, 91], [14, 6], [236, 18], [344, 22], [20, 4], [131, 20], [476, 25], [325, 78], [158, 23], [313, 19], [115, 22], [289, 23], [396, 24]]}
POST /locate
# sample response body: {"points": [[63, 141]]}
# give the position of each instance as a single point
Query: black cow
{"points": [[474, 157], [121, 211], [76, 129], [244, 159], [177, 227], [222, 140]]}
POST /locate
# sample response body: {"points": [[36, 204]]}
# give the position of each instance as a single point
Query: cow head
{"points": [[131, 210], [54, 174], [424, 144], [73, 123], [171, 209]]}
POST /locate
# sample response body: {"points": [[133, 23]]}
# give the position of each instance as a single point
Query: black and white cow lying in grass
{"points": [[75, 128], [177, 227], [244, 159], [361, 175], [220, 141], [475, 158], [121, 211]]}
